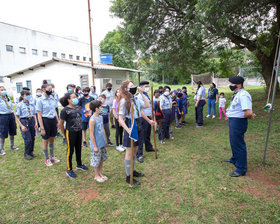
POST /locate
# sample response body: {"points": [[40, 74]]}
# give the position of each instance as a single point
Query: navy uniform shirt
{"points": [[6, 106], [241, 101], [47, 105]]}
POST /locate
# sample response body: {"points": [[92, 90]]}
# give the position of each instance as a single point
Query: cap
{"points": [[142, 83], [236, 80]]}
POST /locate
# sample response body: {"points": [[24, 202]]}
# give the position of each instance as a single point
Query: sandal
{"points": [[104, 178], [99, 179]]}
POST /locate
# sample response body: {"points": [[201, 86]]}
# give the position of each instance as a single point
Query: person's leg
{"points": [[200, 113], [196, 117], [224, 113], [168, 123], [117, 133], [220, 112], [84, 135], [27, 138], [45, 148], [147, 138], [141, 140], [107, 132], [111, 118], [121, 135], [32, 133], [214, 107], [78, 147], [51, 146], [70, 139], [12, 131], [209, 106]]}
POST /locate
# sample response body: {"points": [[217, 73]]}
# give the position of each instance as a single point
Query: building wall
{"points": [[19, 37], [61, 74]]}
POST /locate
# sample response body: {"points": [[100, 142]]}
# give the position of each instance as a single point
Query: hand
{"points": [[216, 102], [58, 127], [95, 149], [196, 104], [129, 131], [43, 132], [36, 126], [253, 116], [24, 129], [152, 123]]}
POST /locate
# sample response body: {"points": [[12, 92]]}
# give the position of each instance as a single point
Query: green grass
{"points": [[188, 183]]}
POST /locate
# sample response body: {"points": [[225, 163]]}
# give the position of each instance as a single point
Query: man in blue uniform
{"points": [[239, 111]]}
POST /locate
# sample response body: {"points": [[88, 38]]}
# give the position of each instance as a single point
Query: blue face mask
{"points": [[75, 101], [28, 98], [92, 91], [70, 91], [4, 93]]}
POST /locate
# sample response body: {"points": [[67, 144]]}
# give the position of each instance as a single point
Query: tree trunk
{"points": [[267, 65]]}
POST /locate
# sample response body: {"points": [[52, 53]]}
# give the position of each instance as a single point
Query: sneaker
{"points": [[213, 116], [71, 174], [178, 127], [48, 162], [208, 115], [119, 148], [136, 174], [140, 160], [2, 152], [110, 144], [182, 123], [134, 182], [85, 144], [64, 141], [14, 148], [33, 155], [124, 148], [82, 167], [170, 138], [28, 157], [54, 160], [162, 142], [199, 126]]}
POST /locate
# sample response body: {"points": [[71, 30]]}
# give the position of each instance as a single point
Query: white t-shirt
{"points": [[222, 102]]}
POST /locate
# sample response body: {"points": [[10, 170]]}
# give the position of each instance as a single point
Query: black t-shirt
{"points": [[72, 117]]}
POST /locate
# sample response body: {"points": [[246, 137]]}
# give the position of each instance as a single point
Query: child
{"points": [[222, 104], [26, 119], [97, 141], [119, 129], [72, 116], [179, 110], [185, 104], [105, 115], [38, 96]]}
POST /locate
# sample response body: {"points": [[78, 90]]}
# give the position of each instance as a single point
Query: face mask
{"points": [[166, 93], [147, 89], [103, 101], [118, 94], [70, 91], [85, 94], [92, 91], [222, 96], [39, 94], [232, 88], [28, 98], [49, 92], [133, 90], [4, 93], [75, 101], [109, 89]]}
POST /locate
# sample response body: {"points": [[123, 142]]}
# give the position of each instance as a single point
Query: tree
{"points": [[123, 55], [191, 27]]}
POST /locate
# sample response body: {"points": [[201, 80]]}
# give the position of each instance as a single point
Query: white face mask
{"points": [[147, 89], [166, 93]]}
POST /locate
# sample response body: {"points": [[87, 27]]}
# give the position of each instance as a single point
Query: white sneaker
{"points": [[2, 152], [119, 148], [213, 116], [208, 115], [124, 148]]}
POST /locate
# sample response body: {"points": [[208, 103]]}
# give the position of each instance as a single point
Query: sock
{"points": [[51, 149], [45, 151], [12, 141], [134, 159], [127, 167], [2, 141]]}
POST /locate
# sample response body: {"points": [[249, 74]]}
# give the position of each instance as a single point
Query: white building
{"points": [[61, 72], [21, 48]]}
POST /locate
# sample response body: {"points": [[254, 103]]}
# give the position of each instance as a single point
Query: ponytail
{"points": [[64, 100]]}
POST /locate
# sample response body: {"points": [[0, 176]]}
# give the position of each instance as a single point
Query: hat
{"points": [[236, 80], [142, 83], [179, 89]]}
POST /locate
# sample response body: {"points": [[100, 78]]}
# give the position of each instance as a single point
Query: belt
{"points": [[49, 117], [26, 118]]}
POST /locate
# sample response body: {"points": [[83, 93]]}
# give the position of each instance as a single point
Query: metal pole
{"points": [[90, 39], [272, 104]]}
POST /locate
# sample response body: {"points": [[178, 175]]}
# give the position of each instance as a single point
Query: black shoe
{"points": [[136, 174], [150, 150], [235, 174], [135, 182], [28, 157], [85, 144], [227, 161], [113, 126], [140, 159], [33, 155]]}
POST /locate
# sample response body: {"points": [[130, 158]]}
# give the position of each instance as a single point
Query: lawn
{"points": [[188, 183]]}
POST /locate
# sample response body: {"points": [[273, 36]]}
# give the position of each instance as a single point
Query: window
{"points": [[1, 79], [78, 57], [22, 50], [54, 54], [19, 87], [89, 59], [28, 84], [9, 48], [62, 55], [45, 53], [84, 58], [70, 56], [34, 51]]}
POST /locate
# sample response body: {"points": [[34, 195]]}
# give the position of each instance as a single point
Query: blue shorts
{"points": [[84, 125], [126, 139], [50, 125], [7, 125]]}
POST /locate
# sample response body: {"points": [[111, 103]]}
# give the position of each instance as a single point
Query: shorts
{"points": [[97, 157], [7, 125], [50, 125], [85, 125], [127, 140]]}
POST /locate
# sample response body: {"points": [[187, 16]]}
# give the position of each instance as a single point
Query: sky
{"points": [[61, 17]]}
